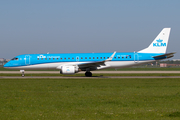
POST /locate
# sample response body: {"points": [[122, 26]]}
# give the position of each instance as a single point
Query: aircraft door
{"points": [[27, 59], [136, 57]]}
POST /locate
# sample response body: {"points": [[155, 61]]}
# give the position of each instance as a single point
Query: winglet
{"points": [[110, 58]]}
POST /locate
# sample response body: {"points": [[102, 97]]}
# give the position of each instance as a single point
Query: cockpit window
{"points": [[15, 58]]}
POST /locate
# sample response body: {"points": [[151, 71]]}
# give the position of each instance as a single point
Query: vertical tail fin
{"points": [[159, 45]]}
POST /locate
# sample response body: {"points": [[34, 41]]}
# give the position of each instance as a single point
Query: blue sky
{"points": [[79, 26]]}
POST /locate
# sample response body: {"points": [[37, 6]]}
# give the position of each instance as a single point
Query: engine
{"points": [[69, 69]]}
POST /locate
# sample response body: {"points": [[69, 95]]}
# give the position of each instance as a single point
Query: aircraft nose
{"points": [[7, 65]]}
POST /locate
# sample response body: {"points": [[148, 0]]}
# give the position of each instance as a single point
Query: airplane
{"points": [[71, 63]]}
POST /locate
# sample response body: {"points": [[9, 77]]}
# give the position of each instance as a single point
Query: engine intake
{"points": [[69, 70]]}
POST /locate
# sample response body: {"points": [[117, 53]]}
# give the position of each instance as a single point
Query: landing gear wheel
{"points": [[22, 74], [88, 74]]}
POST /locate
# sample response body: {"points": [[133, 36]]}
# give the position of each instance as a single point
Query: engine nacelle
{"points": [[69, 70]]}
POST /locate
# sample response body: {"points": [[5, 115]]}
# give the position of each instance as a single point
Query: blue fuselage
{"points": [[79, 58]]}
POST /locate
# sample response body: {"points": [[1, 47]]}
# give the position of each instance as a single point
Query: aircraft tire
{"points": [[88, 74]]}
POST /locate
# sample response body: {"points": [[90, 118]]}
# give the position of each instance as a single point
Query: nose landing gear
{"points": [[22, 71]]}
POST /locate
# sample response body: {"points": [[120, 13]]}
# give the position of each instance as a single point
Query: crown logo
{"points": [[159, 40]]}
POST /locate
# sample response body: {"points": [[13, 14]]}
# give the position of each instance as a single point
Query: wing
{"points": [[95, 64], [91, 65]]}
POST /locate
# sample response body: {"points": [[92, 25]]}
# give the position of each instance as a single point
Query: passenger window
{"points": [[45, 58], [41, 58], [97, 57], [101, 57], [73, 58], [122, 57], [61, 58], [65, 58], [93, 57], [81, 58], [126, 57], [104, 57], [49, 58], [85, 57], [53, 58], [89, 57], [38, 58], [57, 58], [118, 57], [107, 57], [114, 57], [68, 58]]}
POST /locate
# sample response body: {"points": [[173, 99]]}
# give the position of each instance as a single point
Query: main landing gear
{"points": [[22, 71], [88, 74]]}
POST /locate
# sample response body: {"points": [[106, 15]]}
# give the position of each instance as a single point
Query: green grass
{"points": [[90, 99]]}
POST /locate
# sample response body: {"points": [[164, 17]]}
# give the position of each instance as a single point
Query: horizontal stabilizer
{"points": [[167, 55]]}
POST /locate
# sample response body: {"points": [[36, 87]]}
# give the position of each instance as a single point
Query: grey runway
{"points": [[94, 77], [11, 72], [83, 77]]}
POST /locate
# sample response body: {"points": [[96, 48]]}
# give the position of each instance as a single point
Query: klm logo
{"points": [[41, 56], [159, 43]]}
